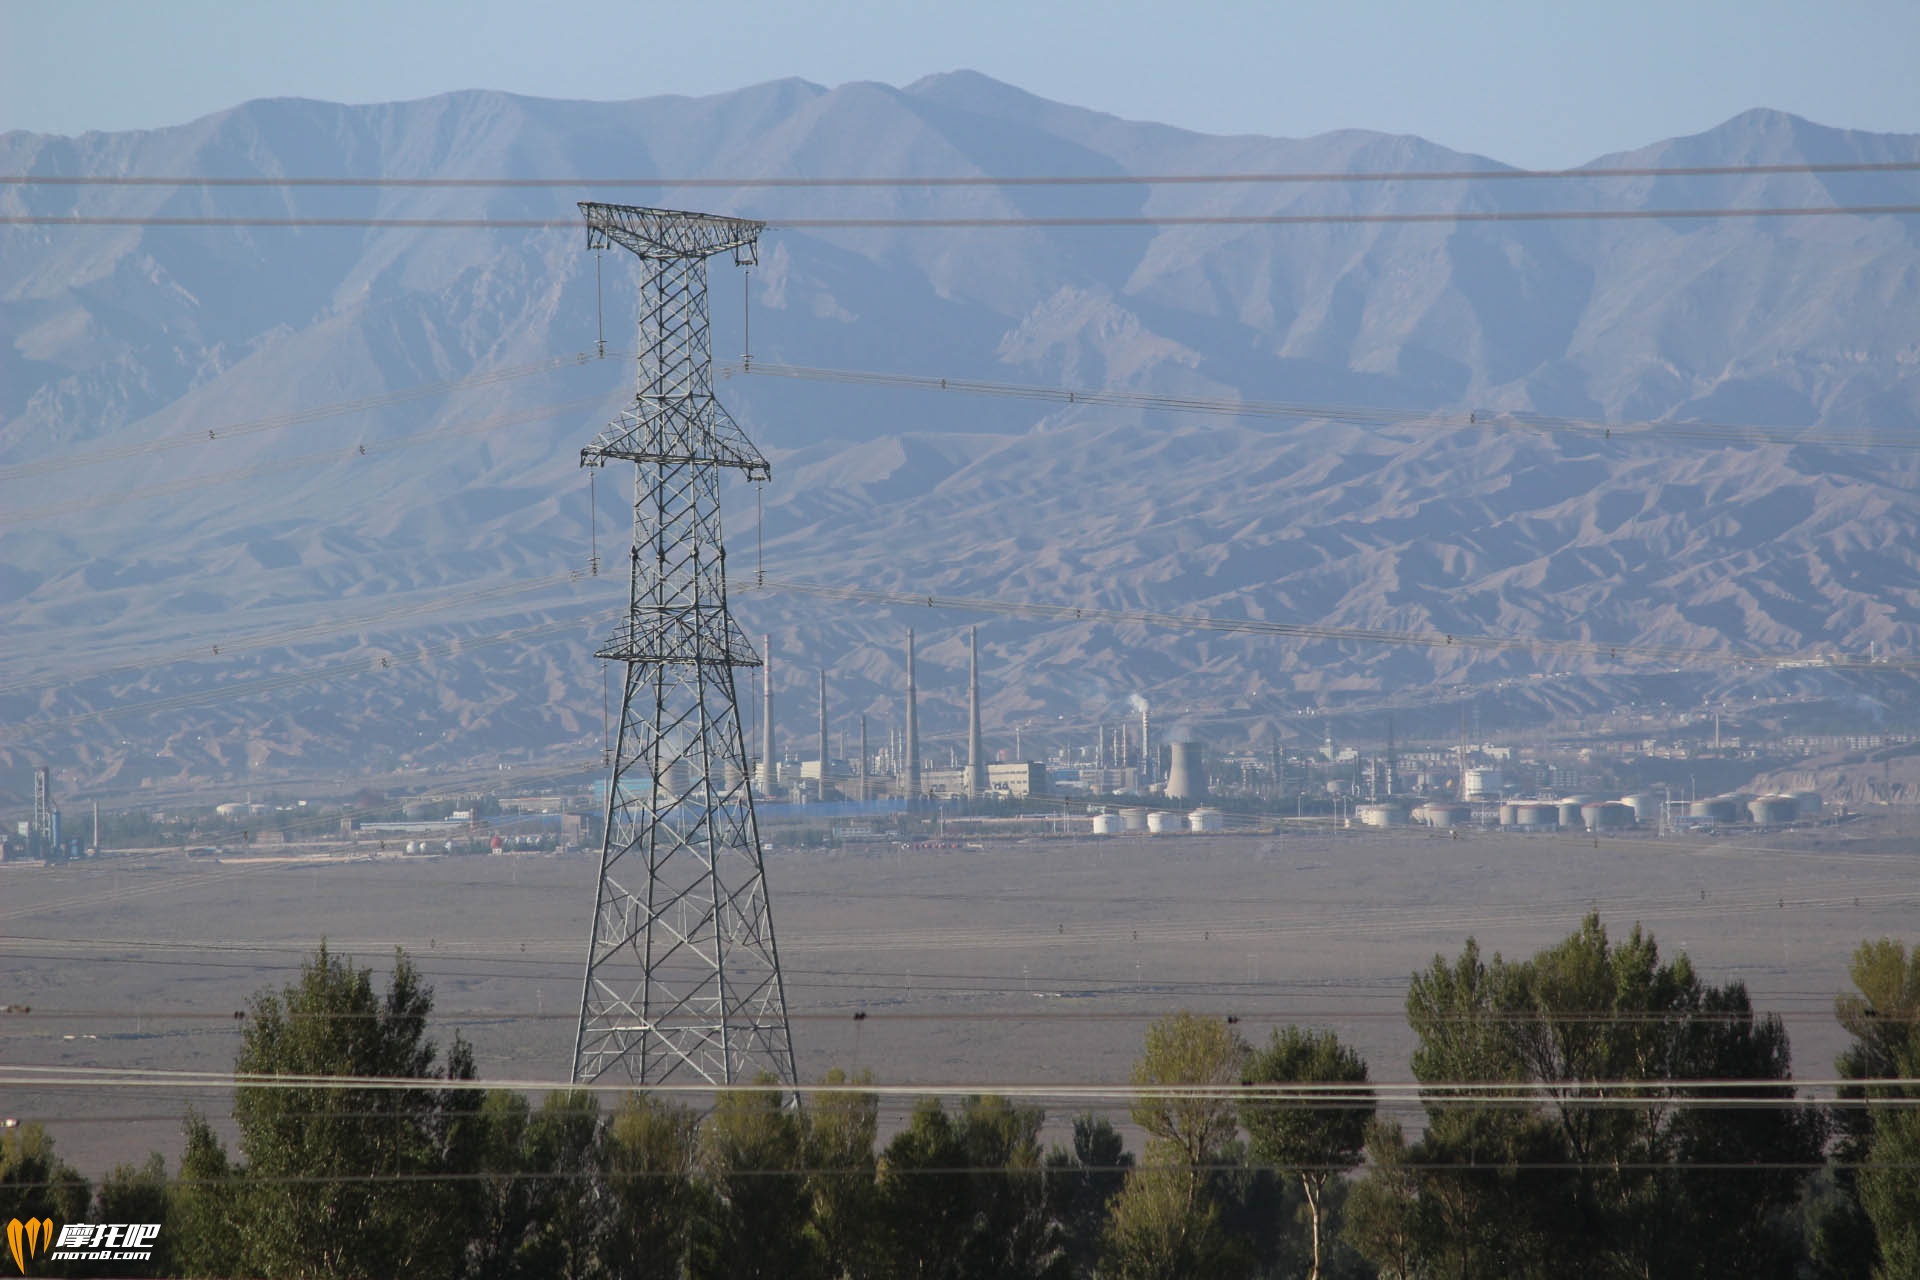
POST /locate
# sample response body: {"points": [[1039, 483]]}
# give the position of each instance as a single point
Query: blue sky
{"points": [[1538, 84]]}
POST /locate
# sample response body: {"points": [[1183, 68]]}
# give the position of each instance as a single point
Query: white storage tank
{"points": [[1165, 822], [1483, 784], [1106, 824], [1537, 816], [1570, 811], [1133, 819], [1645, 806], [1380, 815], [1808, 801], [1608, 815], [1720, 810], [1440, 814], [1773, 811], [1207, 820], [1509, 815]]}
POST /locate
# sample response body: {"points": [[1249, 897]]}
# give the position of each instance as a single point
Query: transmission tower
{"points": [[682, 978]]}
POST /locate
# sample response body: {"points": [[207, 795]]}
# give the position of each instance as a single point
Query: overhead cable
{"points": [[1070, 222], [1357, 415], [1664, 655], [300, 417], [743, 182]]}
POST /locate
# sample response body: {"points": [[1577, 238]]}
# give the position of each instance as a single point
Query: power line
{"points": [[300, 417], [1719, 1091], [271, 684], [1356, 415], [1087, 221], [1278, 177], [337, 454], [231, 644], [1314, 631]]}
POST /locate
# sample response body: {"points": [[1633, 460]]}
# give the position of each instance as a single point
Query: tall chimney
{"points": [[913, 725], [823, 733], [1146, 753], [976, 756], [863, 758], [769, 763]]}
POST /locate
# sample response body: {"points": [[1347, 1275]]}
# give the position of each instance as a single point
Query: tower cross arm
{"points": [[670, 233]]}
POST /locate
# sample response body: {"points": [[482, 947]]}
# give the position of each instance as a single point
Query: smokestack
{"points": [[1187, 775], [1146, 755], [823, 733], [769, 763], [913, 724], [863, 758], [976, 757]]}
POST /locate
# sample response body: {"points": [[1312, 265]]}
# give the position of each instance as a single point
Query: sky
{"points": [[1538, 84]]}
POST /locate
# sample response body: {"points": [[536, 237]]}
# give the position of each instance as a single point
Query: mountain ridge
{"points": [[141, 336]]}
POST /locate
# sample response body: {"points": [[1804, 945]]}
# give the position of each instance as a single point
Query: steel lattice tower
{"points": [[682, 978]]}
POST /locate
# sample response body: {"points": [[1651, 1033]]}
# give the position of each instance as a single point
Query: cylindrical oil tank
{"points": [[1570, 810], [1164, 822], [1482, 784], [1645, 806], [1187, 772], [1773, 811], [1133, 819], [1380, 815], [1719, 809], [1809, 802], [1539, 816], [1449, 815], [1509, 815], [1607, 815], [1207, 820], [1106, 824]]}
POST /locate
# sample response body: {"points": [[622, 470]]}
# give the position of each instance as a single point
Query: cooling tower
{"points": [[1187, 774]]}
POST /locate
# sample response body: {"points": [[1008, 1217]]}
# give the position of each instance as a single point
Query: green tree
{"points": [[925, 1206], [1081, 1184], [542, 1207], [140, 1193], [1314, 1139], [354, 1182], [754, 1215], [34, 1181], [1880, 1124], [1596, 1182], [964, 1196], [1012, 1233], [203, 1220], [1166, 1220], [841, 1129], [649, 1154]]}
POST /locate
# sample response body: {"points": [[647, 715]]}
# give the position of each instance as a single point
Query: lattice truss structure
{"points": [[683, 976]]}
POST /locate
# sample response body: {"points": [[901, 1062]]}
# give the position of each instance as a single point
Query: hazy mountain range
{"points": [[156, 501]]}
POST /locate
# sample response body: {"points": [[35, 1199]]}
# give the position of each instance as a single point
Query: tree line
{"points": [[1619, 1158]]}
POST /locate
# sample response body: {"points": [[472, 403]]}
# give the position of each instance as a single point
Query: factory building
{"points": [[1021, 778]]}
